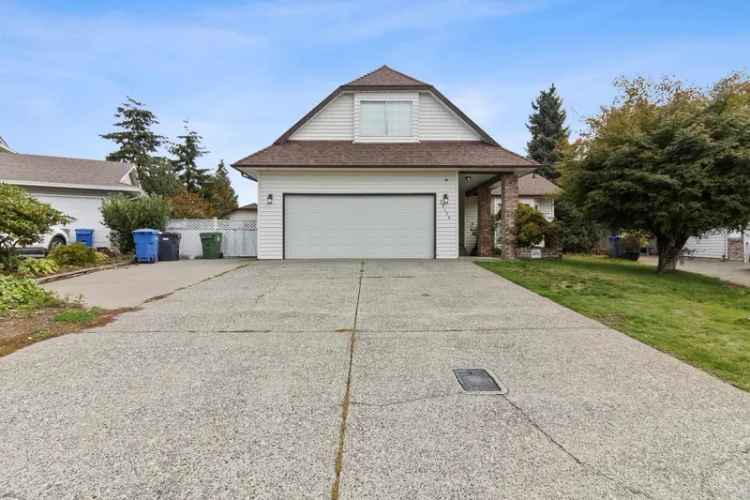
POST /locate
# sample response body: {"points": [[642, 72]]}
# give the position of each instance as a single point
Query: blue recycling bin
{"points": [[146, 245], [615, 246], [85, 236]]}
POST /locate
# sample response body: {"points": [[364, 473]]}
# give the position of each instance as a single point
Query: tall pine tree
{"points": [[548, 132], [137, 142], [137, 145], [186, 152], [219, 191]]}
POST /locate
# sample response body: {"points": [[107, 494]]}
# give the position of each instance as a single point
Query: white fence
{"points": [[239, 237]]}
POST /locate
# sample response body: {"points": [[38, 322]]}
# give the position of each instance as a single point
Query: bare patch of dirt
{"points": [[24, 328]]}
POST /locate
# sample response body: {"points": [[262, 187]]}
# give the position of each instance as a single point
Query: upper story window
{"points": [[385, 119]]}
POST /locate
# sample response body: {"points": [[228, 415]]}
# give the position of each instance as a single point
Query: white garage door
{"points": [[354, 226]]}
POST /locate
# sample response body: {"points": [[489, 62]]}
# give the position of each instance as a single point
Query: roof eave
{"points": [[63, 185]]}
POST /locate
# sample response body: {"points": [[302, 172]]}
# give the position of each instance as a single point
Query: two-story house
{"points": [[381, 168]]}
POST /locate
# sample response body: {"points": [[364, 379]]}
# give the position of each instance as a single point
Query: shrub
{"points": [[76, 254], [23, 221], [38, 267], [18, 293], [530, 226], [123, 214]]}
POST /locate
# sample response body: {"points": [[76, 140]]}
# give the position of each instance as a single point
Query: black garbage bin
{"points": [[169, 246]]}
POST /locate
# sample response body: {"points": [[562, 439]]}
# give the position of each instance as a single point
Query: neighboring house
{"points": [[75, 187], [533, 190], [245, 212], [721, 244], [4, 148], [381, 168]]}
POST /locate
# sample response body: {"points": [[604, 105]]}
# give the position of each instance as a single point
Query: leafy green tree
{"points": [[548, 132], [136, 140], [23, 221], [187, 151], [123, 214], [159, 177], [219, 192], [668, 160], [578, 233]]}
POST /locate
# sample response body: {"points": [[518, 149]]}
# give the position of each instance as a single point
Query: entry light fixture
{"points": [[445, 199], [269, 199], [467, 178]]}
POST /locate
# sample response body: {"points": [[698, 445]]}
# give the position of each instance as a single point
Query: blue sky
{"points": [[243, 72]]}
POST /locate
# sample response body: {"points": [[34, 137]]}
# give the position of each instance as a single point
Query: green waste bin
{"points": [[211, 243]]}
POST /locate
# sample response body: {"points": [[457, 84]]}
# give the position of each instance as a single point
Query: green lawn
{"points": [[700, 320]]}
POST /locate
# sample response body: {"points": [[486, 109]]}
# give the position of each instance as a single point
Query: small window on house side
{"points": [[385, 119]]}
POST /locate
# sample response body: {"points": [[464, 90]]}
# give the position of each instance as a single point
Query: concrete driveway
{"points": [[130, 286], [234, 387], [733, 272]]}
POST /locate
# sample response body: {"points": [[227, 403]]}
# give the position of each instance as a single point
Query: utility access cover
{"points": [[477, 380]]}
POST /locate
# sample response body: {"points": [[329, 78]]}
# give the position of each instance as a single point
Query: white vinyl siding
{"points": [[712, 245], [438, 123], [427, 119], [333, 122], [334, 226], [270, 217]]}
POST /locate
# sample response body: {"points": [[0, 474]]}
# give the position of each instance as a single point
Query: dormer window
{"points": [[385, 119]]}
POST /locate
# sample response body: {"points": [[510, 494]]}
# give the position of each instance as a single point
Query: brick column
{"points": [[509, 185], [485, 222]]}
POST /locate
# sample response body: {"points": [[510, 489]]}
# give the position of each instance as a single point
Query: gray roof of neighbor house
{"points": [[54, 171], [4, 146], [250, 207], [533, 185], [483, 153]]}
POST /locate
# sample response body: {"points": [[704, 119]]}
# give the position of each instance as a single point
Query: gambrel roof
{"points": [[482, 153]]}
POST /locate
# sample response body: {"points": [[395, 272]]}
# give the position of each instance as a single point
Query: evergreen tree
{"points": [[137, 142], [548, 132], [219, 191], [159, 177], [187, 152]]}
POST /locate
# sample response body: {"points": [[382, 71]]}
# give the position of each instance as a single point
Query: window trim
{"points": [[386, 126], [406, 97]]}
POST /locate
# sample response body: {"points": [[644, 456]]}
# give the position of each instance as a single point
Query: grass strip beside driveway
{"points": [[698, 319]]}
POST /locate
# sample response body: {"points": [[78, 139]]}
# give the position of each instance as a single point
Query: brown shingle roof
{"points": [[37, 169], [534, 185], [413, 154], [466, 154], [385, 76]]}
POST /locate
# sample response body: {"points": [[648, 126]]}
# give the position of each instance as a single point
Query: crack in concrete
{"points": [[557, 444], [339, 463]]}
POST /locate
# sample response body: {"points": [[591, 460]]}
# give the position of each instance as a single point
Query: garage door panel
{"points": [[353, 226]]}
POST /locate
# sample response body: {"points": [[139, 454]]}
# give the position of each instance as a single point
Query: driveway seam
{"points": [[570, 454], [339, 463]]}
